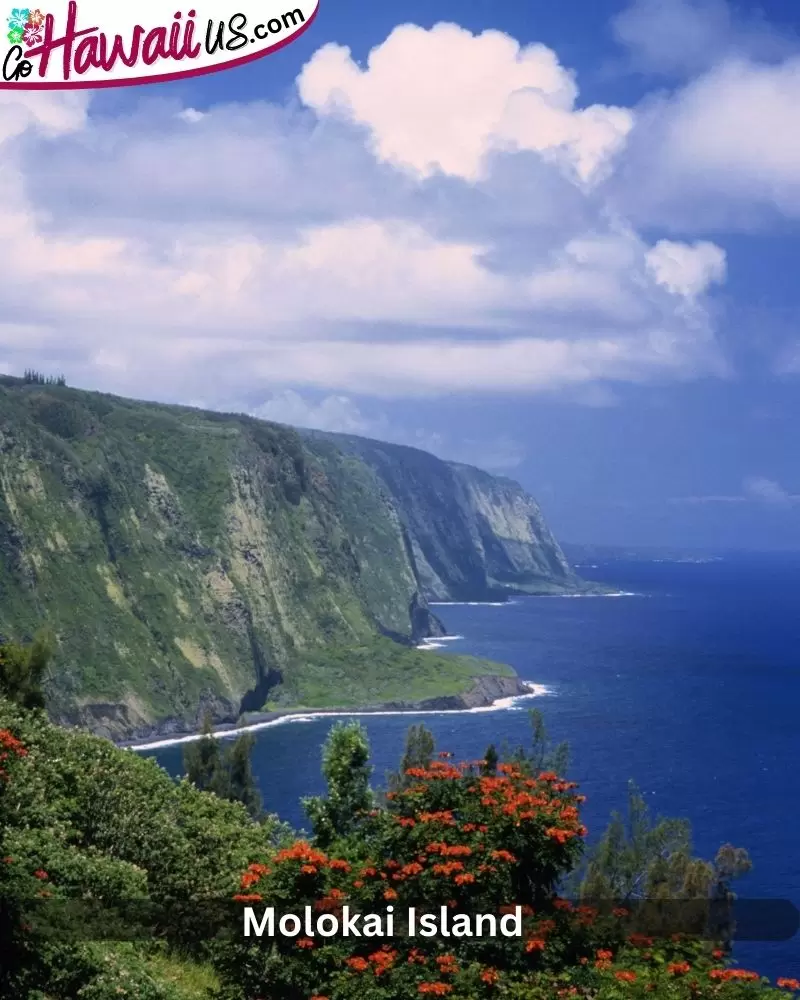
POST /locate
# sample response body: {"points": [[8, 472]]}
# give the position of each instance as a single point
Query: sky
{"points": [[558, 241]]}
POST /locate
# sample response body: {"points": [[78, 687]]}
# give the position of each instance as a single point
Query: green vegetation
{"points": [[227, 564], [377, 672], [227, 772], [117, 881], [22, 671]]}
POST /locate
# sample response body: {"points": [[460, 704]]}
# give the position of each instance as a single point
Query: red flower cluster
{"points": [[726, 975], [10, 746]]}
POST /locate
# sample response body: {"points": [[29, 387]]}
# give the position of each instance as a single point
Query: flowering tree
{"points": [[455, 836]]}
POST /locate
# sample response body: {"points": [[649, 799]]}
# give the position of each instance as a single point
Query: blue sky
{"points": [[558, 241]]}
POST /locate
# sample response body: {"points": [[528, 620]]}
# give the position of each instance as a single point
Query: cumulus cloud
{"points": [[340, 248], [721, 152], [445, 99], [332, 413], [686, 270]]}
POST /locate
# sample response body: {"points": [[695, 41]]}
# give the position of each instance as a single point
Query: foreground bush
{"points": [[82, 820], [472, 841]]}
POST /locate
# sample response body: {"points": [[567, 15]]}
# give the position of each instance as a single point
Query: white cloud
{"points": [[755, 490], [686, 270], [341, 414], [722, 151], [51, 113], [332, 413], [679, 37], [258, 249], [768, 491], [445, 99]]}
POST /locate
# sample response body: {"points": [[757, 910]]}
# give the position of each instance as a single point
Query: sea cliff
{"points": [[189, 561]]}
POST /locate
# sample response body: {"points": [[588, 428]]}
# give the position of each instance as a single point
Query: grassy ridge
{"points": [[180, 557], [377, 672]]}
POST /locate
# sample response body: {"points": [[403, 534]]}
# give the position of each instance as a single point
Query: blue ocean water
{"points": [[690, 685]]}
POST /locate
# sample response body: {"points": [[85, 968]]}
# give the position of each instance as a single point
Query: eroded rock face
{"points": [[472, 536], [188, 561]]}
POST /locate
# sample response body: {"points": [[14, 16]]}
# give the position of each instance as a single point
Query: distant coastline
{"points": [[487, 694]]}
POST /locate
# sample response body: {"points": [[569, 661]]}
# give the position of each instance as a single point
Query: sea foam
{"points": [[501, 704]]}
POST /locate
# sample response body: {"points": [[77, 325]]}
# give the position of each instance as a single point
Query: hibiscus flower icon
{"points": [[15, 36], [35, 19], [32, 34], [19, 18]]}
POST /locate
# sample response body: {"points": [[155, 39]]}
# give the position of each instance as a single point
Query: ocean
{"points": [[688, 683]]}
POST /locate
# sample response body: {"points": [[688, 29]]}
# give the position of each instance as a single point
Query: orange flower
{"points": [[536, 944], [625, 976], [40, 873], [447, 868], [504, 856], [464, 879], [490, 976], [728, 974], [678, 968], [560, 835], [339, 865], [456, 850], [383, 959], [304, 943], [435, 989], [358, 964], [302, 851], [251, 897], [447, 965], [789, 984], [390, 894]]}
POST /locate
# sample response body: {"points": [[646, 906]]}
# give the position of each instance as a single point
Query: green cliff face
{"points": [[187, 561], [473, 536]]}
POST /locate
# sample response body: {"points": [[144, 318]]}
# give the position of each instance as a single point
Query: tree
{"points": [[490, 760], [237, 768], [637, 857], [650, 863], [228, 773], [543, 757], [419, 750], [201, 759], [345, 766], [22, 670]]}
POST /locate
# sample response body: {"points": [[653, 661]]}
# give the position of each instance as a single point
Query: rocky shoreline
{"points": [[485, 692]]}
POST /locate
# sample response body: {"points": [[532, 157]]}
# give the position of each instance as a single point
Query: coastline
{"points": [[507, 690]]}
